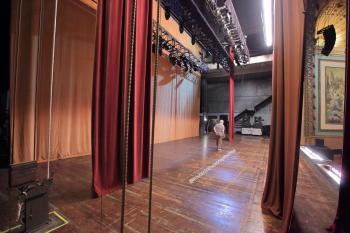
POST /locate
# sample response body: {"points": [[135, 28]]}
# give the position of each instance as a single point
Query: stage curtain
{"points": [[24, 57], [72, 87], [110, 93], [178, 103], [139, 141], [341, 222], [232, 98], [279, 191]]}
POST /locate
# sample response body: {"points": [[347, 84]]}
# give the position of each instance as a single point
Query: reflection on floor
{"points": [[316, 199], [195, 189], [225, 192]]}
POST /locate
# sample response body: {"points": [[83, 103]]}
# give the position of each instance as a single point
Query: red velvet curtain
{"points": [[341, 223], [139, 143], [232, 98], [111, 76]]}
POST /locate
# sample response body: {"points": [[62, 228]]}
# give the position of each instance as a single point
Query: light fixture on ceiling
{"points": [[267, 15], [181, 27], [167, 13], [193, 40]]}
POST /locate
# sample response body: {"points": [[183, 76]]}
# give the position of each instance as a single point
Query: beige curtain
{"points": [[24, 56], [283, 160], [72, 89], [178, 103]]}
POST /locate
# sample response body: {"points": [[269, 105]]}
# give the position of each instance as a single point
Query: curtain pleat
{"points": [[279, 191], [110, 97], [72, 86], [139, 142], [341, 222]]}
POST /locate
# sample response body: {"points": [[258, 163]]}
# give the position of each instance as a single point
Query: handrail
{"points": [[257, 107]]}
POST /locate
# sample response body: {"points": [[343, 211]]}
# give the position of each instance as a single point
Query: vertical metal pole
{"points": [[51, 91], [41, 20], [153, 116]]}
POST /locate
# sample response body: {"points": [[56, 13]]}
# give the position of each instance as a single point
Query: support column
{"points": [[232, 98]]}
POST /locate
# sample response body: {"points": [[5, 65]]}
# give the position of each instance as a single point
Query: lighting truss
{"points": [[212, 29], [185, 12], [178, 54], [226, 17]]}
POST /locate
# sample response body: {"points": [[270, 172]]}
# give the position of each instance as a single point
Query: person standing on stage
{"points": [[219, 130]]}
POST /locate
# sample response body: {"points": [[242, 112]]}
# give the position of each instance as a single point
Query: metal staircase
{"points": [[251, 112]]}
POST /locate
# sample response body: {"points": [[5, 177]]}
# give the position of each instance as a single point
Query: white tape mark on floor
{"points": [[207, 169]]}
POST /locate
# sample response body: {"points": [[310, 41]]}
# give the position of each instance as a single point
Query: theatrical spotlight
{"points": [[167, 13], [169, 45], [181, 27], [193, 39], [178, 62], [185, 67], [172, 59]]}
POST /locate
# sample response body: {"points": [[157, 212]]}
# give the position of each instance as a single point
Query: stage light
{"points": [[181, 27], [172, 59], [178, 62], [167, 13], [267, 13], [166, 45], [185, 67]]}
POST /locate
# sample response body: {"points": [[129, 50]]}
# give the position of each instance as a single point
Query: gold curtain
{"points": [[30, 82], [278, 197], [178, 103]]}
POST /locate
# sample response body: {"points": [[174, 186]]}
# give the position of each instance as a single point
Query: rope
{"points": [[127, 122], [153, 116], [51, 91]]}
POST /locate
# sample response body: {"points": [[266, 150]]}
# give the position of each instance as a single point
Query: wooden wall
{"points": [[178, 103]]}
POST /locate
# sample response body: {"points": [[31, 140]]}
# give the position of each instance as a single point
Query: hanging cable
{"points": [[51, 90], [128, 106], [154, 104]]}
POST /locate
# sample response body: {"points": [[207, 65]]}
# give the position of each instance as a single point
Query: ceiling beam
{"points": [[251, 70]]}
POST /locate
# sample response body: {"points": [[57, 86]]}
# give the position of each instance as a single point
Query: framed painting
{"points": [[329, 95]]}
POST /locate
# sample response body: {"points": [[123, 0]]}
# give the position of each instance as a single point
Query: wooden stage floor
{"points": [[195, 189]]}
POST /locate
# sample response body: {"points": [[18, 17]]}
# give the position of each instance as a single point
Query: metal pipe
{"points": [[153, 119], [51, 90]]}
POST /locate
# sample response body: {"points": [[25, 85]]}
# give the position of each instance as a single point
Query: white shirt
{"points": [[219, 130]]}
